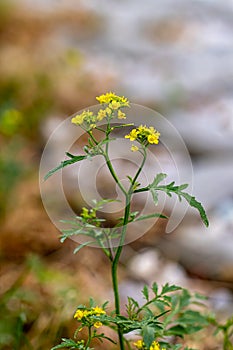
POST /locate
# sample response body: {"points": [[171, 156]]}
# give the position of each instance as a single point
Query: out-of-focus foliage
{"points": [[40, 77], [35, 305], [11, 169]]}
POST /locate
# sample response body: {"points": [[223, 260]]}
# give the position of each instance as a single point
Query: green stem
{"points": [[92, 137], [140, 168], [115, 266], [115, 260], [112, 171], [89, 338]]}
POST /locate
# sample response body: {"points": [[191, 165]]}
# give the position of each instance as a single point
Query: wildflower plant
{"points": [[165, 316]]}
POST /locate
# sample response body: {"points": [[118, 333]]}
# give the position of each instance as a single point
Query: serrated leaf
{"points": [[133, 301], [159, 177], [183, 187], [105, 337], [148, 312], [155, 288], [145, 292], [92, 302], [149, 216], [82, 246], [191, 317], [66, 343], [178, 190], [200, 296], [169, 288], [148, 334], [195, 204], [152, 187], [160, 304], [178, 330], [64, 163], [154, 196], [105, 305], [69, 233], [185, 299]]}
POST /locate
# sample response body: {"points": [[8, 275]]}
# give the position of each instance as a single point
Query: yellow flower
{"points": [[79, 314], [108, 111], [139, 344], [144, 135], [106, 98], [78, 119], [132, 135], [121, 115], [153, 138], [155, 346], [142, 129], [98, 311], [112, 98], [98, 324], [115, 105], [86, 117], [134, 148], [101, 114]]}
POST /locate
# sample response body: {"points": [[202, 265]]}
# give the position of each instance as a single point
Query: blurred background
{"points": [[56, 56]]}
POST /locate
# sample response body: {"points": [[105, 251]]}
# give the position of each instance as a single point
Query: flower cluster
{"points": [[89, 217], [141, 346], [88, 214], [86, 315], [88, 120], [144, 135], [113, 100]]}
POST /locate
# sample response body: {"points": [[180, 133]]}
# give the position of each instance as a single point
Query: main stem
{"points": [[115, 265], [115, 260]]}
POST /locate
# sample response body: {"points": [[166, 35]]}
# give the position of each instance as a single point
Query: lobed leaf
{"points": [[178, 190], [73, 159], [67, 343], [155, 288], [82, 245], [149, 216], [169, 288], [145, 292]]}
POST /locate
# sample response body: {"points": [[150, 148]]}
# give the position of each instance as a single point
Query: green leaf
{"points": [[177, 330], [92, 302], [185, 299], [159, 177], [133, 302], [71, 232], [99, 204], [73, 159], [169, 288], [145, 292], [155, 288], [149, 216], [148, 334], [178, 190], [195, 204], [195, 318], [105, 305], [82, 245], [154, 195], [99, 336], [67, 343], [152, 187]]}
